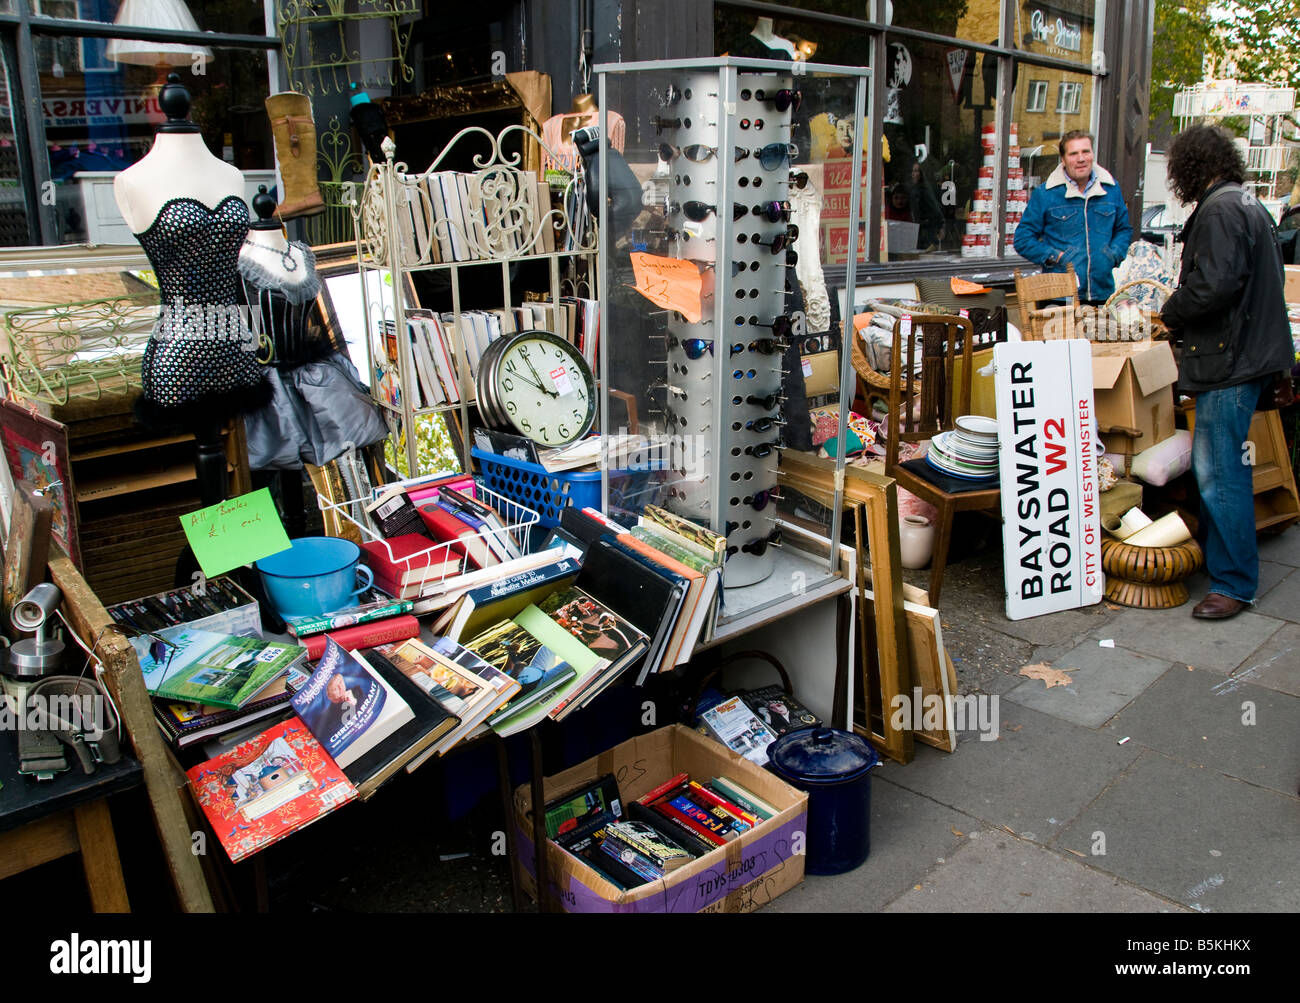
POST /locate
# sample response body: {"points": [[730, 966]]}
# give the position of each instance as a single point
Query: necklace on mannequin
{"points": [[286, 256]]}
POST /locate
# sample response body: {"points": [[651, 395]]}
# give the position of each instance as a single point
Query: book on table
{"points": [[737, 727], [481, 607], [616, 644], [409, 565], [267, 787], [521, 654], [780, 711], [183, 724], [220, 670], [458, 680], [348, 706]]}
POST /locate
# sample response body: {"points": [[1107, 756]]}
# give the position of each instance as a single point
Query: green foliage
{"points": [[434, 448], [1183, 36], [1263, 40]]}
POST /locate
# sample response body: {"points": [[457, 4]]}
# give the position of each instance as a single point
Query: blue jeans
{"points": [[1223, 469]]}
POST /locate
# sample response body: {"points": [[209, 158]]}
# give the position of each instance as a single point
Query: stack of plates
{"points": [[970, 451]]}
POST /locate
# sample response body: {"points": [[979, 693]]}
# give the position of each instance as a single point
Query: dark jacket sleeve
{"points": [[1219, 268]]}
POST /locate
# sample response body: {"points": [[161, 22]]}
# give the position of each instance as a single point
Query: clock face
{"points": [[545, 388]]}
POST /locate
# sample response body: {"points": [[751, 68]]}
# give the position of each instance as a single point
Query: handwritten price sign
{"points": [[671, 283], [235, 532]]}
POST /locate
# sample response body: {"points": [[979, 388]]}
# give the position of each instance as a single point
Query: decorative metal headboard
{"points": [[67, 350]]}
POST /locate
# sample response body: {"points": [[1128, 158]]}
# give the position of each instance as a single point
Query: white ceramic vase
{"points": [[916, 540]]}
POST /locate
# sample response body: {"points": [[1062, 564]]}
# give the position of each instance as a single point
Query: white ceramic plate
{"points": [[977, 424]]}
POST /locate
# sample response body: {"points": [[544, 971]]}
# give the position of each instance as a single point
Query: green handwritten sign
{"points": [[235, 532]]}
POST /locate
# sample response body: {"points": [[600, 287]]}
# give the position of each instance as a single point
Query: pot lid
{"points": [[822, 755]]}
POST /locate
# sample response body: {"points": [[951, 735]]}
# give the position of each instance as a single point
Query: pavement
{"points": [[1162, 777]]}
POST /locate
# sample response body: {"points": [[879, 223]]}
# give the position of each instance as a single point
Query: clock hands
{"points": [[524, 354]]}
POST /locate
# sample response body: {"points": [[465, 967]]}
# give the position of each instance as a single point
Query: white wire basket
{"points": [[516, 521]]}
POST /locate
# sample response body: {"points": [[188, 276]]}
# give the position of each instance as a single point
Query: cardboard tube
{"points": [[1167, 531], [1133, 520], [1115, 527]]}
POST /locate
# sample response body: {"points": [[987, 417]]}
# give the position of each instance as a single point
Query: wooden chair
{"points": [[923, 404], [1047, 323]]}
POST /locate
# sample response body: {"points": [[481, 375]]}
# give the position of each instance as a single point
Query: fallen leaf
{"points": [[1190, 669], [1026, 895], [916, 888], [1041, 670], [1111, 605], [1013, 727], [956, 831]]}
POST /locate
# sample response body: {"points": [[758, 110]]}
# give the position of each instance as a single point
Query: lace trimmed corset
{"points": [[202, 352]]}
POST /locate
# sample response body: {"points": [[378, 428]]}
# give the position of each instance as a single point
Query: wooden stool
{"points": [[1149, 577]]}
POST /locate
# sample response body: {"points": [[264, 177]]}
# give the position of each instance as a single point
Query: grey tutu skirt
{"points": [[317, 410]]}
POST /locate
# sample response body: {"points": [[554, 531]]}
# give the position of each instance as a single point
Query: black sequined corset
{"points": [[202, 353]]}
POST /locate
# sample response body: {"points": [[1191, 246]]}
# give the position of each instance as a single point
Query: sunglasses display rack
{"points": [[710, 218]]}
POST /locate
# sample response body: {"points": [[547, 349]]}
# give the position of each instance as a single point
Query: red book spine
{"points": [[723, 803], [700, 830], [364, 635], [663, 789]]}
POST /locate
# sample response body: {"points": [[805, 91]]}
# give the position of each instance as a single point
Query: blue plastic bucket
{"points": [[316, 575]]}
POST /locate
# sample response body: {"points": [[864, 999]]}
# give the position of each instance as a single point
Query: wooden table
{"points": [[44, 820]]}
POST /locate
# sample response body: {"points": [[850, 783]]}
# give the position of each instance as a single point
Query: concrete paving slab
{"points": [[1058, 627], [1034, 779], [1270, 573], [908, 834], [1283, 547], [995, 872], [1176, 636], [1276, 664], [1282, 600], [1106, 681], [1212, 842], [1201, 717]]}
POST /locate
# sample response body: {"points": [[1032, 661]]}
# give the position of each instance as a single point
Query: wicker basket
{"points": [[1103, 324], [1149, 577]]}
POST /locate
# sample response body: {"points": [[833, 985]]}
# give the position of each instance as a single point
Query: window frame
{"points": [[1069, 87], [1037, 89]]}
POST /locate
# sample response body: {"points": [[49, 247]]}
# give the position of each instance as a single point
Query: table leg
{"points": [[99, 858]]}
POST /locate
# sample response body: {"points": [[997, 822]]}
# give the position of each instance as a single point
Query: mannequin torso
{"points": [[765, 33], [178, 166]]}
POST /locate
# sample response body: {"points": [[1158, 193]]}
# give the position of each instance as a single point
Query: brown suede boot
{"points": [[295, 150]]}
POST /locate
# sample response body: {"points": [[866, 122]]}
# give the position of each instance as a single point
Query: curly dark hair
{"points": [[1200, 156]]}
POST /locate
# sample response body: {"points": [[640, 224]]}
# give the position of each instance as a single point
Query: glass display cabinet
{"points": [[733, 191]]}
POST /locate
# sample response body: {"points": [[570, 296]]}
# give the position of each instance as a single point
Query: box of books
{"points": [[676, 782], [217, 605]]}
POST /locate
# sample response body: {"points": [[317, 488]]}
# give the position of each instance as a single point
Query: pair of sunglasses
{"points": [[762, 424], [782, 327], [693, 347], [697, 153], [761, 449], [758, 547], [773, 155], [766, 403], [773, 212]]}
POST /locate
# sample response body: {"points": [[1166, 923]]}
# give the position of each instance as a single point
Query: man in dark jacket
{"points": [[1230, 313]]}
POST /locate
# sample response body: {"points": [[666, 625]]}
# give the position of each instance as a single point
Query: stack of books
{"points": [[749, 723], [648, 839], [207, 684]]}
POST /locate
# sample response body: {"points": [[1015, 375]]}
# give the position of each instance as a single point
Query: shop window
{"points": [[13, 210], [1067, 98], [100, 117], [939, 101], [1060, 28], [1037, 100], [1040, 125]]}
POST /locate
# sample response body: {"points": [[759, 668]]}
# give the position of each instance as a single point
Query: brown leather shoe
{"points": [[1217, 607]]}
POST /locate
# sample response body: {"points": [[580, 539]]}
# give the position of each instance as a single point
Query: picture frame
{"points": [[36, 451]]}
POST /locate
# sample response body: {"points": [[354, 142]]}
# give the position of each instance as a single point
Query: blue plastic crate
{"points": [[529, 484]]}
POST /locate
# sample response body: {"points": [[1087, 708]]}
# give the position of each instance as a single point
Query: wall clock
{"points": [[538, 385]]}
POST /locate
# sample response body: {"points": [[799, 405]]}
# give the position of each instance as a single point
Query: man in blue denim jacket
{"points": [[1077, 217]]}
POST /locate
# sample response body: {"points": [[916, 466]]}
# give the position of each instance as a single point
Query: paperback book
{"points": [[348, 707]]}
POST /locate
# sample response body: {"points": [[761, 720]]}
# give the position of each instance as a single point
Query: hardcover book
{"points": [[781, 712], [574, 809], [348, 707], [485, 605], [514, 651], [219, 670], [267, 787]]}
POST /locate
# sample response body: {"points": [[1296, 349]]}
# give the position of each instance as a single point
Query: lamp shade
{"points": [[168, 15]]}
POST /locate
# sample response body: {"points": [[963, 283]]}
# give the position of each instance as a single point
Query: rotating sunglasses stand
{"points": [[718, 462]]}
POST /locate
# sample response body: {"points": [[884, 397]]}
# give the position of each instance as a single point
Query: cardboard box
{"points": [[1133, 386], [1291, 288], [242, 621], [746, 873]]}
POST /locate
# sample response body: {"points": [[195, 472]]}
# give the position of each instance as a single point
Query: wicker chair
{"points": [[1047, 323]]}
